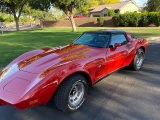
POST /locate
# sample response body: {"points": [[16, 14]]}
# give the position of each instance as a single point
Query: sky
{"points": [[140, 3]]}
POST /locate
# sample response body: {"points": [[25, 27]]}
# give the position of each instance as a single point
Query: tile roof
{"points": [[113, 6]]}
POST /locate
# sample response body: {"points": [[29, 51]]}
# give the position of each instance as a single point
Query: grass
{"points": [[13, 44]]}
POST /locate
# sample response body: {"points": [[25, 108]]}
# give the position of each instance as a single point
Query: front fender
{"points": [[71, 69], [141, 43]]}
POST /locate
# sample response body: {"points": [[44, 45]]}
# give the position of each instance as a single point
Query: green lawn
{"points": [[12, 44]]}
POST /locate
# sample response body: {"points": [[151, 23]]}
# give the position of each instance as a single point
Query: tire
{"points": [[71, 93], [137, 62]]}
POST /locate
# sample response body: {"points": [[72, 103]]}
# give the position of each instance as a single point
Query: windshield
{"points": [[100, 40]]}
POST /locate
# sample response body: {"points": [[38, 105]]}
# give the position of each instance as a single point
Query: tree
{"points": [[91, 4], [36, 14], [43, 5], [57, 13], [14, 7], [153, 6], [103, 2], [68, 7]]}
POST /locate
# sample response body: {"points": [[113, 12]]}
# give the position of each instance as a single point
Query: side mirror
{"points": [[117, 45]]}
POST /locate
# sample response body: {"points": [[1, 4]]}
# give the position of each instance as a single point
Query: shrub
{"points": [[1, 19], [144, 21], [6, 17], [115, 20], [134, 19], [111, 12], [124, 20], [100, 21], [25, 19], [9, 19], [154, 18], [137, 19]]}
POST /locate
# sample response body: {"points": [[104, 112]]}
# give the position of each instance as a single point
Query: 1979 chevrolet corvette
{"points": [[66, 72]]}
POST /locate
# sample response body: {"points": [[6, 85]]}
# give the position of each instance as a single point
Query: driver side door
{"points": [[116, 55]]}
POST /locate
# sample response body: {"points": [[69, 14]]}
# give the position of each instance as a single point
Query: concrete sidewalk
{"points": [[153, 39]]}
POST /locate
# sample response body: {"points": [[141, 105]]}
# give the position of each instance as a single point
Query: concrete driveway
{"points": [[124, 95]]}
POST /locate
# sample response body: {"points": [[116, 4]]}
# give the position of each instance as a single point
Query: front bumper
{"points": [[13, 89], [24, 90]]}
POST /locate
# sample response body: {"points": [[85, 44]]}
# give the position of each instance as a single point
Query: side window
{"points": [[118, 38]]}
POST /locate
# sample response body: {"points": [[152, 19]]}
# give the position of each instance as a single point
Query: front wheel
{"points": [[138, 60], [71, 93]]}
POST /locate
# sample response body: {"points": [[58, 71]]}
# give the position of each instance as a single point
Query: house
{"points": [[119, 8]]}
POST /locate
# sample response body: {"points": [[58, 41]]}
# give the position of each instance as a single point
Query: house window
{"points": [[116, 11], [96, 15], [105, 15]]}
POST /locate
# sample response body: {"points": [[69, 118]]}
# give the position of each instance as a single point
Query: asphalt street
{"points": [[13, 28], [124, 95]]}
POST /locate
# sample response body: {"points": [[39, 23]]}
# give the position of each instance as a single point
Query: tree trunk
{"points": [[72, 23], [17, 23]]}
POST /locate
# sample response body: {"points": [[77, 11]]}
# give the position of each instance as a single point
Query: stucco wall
{"points": [[105, 12], [80, 22], [130, 7]]}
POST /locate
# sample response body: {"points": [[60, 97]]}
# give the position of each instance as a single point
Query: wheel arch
{"points": [[143, 48], [88, 78]]}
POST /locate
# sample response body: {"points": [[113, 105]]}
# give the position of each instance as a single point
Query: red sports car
{"points": [[66, 72]]}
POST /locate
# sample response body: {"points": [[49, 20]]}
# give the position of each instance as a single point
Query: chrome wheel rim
{"points": [[139, 60], [76, 94]]}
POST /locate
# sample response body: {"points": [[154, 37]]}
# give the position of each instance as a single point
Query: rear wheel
{"points": [[137, 62], [71, 93]]}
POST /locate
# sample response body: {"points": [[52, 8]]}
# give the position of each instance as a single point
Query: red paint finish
{"points": [[32, 78]]}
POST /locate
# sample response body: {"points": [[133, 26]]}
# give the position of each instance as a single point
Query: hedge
{"points": [[137, 19]]}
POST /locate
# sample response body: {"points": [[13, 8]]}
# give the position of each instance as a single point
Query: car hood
{"points": [[54, 57]]}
